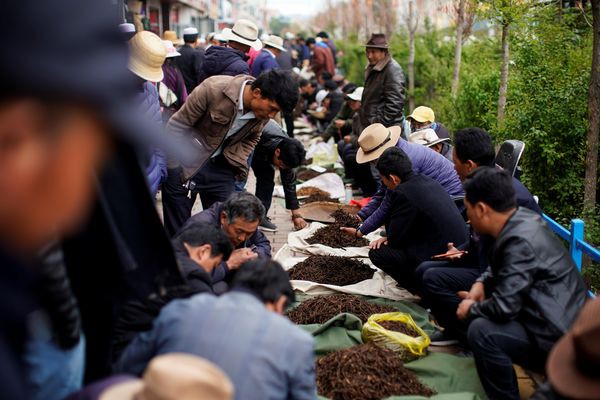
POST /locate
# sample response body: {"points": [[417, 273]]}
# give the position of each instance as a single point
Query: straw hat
{"points": [[374, 140], [274, 41], [171, 51], [574, 362], [426, 137], [422, 114], [356, 95], [172, 36], [244, 31], [175, 376], [147, 56]]}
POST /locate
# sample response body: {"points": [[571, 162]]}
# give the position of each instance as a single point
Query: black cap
{"points": [[323, 35], [72, 50]]}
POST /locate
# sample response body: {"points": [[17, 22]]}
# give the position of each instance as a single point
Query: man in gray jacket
{"points": [[243, 332], [383, 97], [528, 297]]}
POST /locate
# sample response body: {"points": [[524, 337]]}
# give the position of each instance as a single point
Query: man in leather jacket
{"points": [[530, 294]]}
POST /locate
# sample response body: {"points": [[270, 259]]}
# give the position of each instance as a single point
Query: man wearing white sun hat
{"points": [[148, 54], [266, 60], [231, 60]]}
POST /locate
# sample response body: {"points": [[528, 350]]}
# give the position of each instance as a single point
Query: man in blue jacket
{"points": [[243, 332], [373, 141], [267, 59], [231, 60], [238, 217]]}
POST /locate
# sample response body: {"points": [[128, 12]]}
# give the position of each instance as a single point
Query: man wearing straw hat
{"points": [[267, 59], [383, 97], [191, 59]]}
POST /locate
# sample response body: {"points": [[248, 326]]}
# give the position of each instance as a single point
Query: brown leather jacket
{"points": [[205, 119]]}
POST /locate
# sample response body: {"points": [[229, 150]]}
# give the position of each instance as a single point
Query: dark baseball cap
{"points": [[72, 50]]}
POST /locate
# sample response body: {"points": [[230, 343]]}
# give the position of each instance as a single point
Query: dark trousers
{"points": [[214, 182], [496, 346], [361, 173], [265, 182], [396, 264], [440, 281], [289, 123]]}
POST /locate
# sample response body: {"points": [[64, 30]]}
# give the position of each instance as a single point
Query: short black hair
{"points": [[190, 38], [243, 205], [199, 233], [323, 35], [265, 278], [310, 41], [326, 76], [476, 145], [292, 152], [394, 161], [330, 85], [349, 88], [491, 186], [279, 86]]}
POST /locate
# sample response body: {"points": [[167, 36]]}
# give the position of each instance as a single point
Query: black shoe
{"points": [[267, 226], [439, 338]]}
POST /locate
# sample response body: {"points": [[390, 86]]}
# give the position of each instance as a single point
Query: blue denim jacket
{"points": [[264, 354]]}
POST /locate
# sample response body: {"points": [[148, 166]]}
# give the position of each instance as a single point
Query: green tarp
{"points": [[454, 378]]}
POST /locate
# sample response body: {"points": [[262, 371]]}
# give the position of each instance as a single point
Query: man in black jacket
{"points": [[276, 150], [199, 249], [443, 278], [528, 297], [191, 60], [423, 219]]}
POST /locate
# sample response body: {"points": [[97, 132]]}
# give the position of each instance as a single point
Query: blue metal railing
{"points": [[575, 238]]}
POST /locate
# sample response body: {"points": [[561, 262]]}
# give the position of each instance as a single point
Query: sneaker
{"points": [[439, 338], [267, 225]]}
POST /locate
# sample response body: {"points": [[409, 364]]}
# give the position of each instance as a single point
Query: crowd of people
{"points": [[104, 300]]}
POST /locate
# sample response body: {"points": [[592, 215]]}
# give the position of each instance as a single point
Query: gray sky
{"points": [[295, 7]]}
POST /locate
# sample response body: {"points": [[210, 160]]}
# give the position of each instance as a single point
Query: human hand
{"points": [[453, 254], [239, 256], [339, 123], [462, 312], [352, 232], [299, 222], [378, 242], [477, 293]]}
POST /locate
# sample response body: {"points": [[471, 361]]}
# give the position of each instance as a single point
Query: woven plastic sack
{"points": [[407, 347]]}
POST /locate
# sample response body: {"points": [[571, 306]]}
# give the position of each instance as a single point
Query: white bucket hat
{"points": [[148, 54], [374, 140], [274, 41], [171, 51], [426, 137], [357, 94], [244, 31]]}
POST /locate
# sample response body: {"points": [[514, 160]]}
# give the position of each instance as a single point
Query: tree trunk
{"points": [[591, 157], [503, 73], [458, 47], [412, 27]]}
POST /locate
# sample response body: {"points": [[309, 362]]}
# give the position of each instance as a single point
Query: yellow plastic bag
{"points": [[407, 347]]}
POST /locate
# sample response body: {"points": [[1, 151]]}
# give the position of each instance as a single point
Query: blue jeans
{"points": [[496, 346], [54, 373]]}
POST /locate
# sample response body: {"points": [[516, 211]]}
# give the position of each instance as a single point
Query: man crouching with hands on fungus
{"points": [[238, 217], [530, 294]]}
